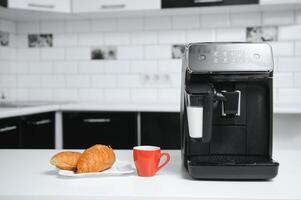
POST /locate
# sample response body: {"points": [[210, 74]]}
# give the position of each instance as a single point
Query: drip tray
{"points": [[232, 167]]}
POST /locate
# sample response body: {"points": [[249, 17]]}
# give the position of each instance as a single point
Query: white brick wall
{"points": [[144, 69]]}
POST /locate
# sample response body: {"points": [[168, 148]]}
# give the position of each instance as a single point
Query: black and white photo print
{"points": [[4, 39], [177, 51], [40, 40], [262, 34], [104, 53]]}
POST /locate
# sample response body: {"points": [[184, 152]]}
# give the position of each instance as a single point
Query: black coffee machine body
{"points": [[227, 111]]}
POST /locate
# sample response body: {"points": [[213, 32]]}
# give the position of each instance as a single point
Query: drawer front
{"points": [[38, 131], [161, 129], [41, 5], [82, 130], [116, 5], [9, 133]]}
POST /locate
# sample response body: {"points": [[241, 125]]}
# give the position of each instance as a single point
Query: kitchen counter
{"points": [[27, 174], [41, 107]]}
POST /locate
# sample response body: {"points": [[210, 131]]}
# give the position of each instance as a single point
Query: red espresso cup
{"points": [[147, 159]]}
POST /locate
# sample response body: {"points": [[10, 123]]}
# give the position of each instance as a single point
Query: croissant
{"points": [[66, 160], [95, 159]]}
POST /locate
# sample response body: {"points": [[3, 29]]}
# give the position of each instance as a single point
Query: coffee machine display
{"points": [[227, 111]]}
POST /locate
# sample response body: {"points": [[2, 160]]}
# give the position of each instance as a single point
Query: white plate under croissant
{"points": [[118, 168]]}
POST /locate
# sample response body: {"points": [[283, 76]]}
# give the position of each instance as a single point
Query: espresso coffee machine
{"points": [[227, 111]]}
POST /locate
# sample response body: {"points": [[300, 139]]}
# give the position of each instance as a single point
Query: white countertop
{"points": [[86, 106], [41, 107], [27, 174]]}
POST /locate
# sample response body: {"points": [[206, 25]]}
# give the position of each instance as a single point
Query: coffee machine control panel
{"points": [[229, 57]]}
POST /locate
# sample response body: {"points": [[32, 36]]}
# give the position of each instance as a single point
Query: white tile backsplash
{"points": [[148, 37], [82, 53], [298, 79], [40, 94], [28, 27], [289, 95], [40, 67], [144, 66], [129, 81], [81, 26], [115, 38], [101, 25], [157, 51], [65, 40], [91, 67], [65, 67], [78, 81], [290, 32], [8, 81], [186, 22], [144, 95], [171, 37], [298, 48], [65, 94], [52, 54], [283, 80], [170, 66], [29, 81], [158, 23], [289, 64], [52, 27], [53, 81], [117, 95], [90, 39], [130, 52], [282, 48], [215, 20], [104, 81], [246, 19], [278, 18], [117, 67], [231, 35], [144, 69], [203, 35], [130, 24], [91, 94], [26, 54], [8, 26]]}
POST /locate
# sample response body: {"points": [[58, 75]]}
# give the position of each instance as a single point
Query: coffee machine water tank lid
{"points": [[229, 57]]}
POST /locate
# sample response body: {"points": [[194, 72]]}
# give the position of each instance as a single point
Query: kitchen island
{"points": [[27, 174]]}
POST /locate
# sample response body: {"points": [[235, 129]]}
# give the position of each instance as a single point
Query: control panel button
{"points": [[202, 57]]}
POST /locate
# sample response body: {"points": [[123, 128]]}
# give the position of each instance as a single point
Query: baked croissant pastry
{"points": [[95, 159], [66, 160]]}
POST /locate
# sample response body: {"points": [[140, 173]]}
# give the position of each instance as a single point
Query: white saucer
{"points": [[119, 168]]}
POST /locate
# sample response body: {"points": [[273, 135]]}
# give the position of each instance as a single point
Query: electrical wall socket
{"points": [[154, 79]]}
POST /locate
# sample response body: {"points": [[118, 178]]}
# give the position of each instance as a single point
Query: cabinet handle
{"points": [[35, 5], [207, 1], [97, 120], [41, 122], [112, 6], [8, 128]]}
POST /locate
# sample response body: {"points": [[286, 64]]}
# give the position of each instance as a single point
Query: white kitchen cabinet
{"points": [[42, 5], [116, 5], [275, 2]]}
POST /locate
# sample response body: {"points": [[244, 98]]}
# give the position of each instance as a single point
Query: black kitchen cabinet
{"points": [[38, 131], [161, 129], [84, 129], [9, 133]]}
